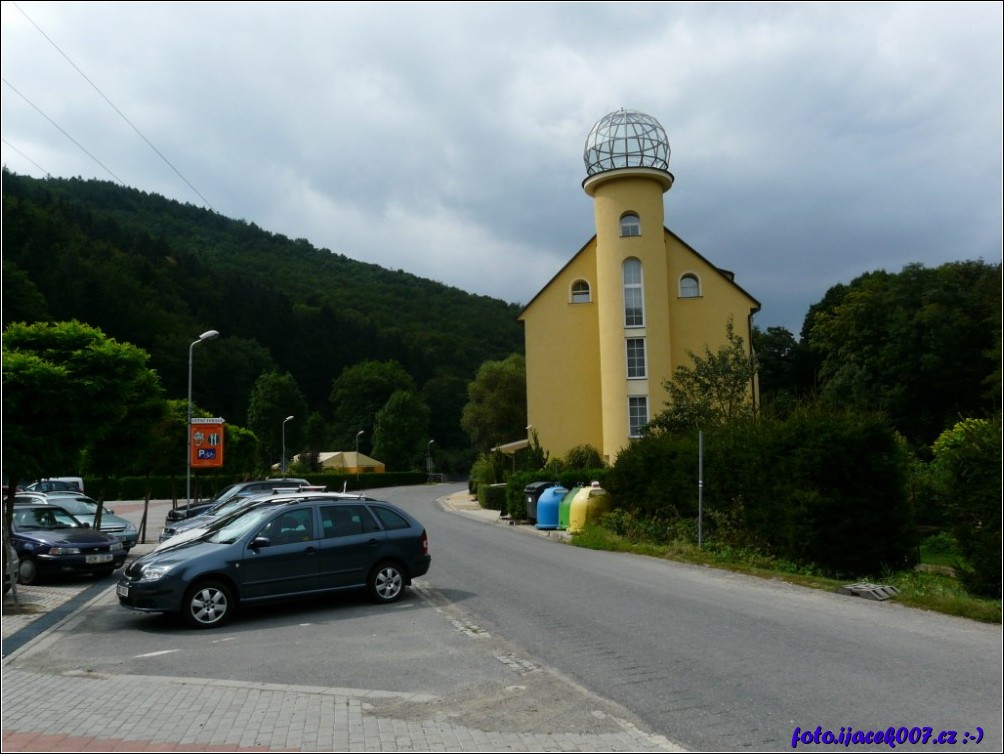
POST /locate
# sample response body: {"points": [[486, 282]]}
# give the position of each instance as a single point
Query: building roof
{"points": [[730, 276]]}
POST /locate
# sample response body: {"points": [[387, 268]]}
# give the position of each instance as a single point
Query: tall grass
{"points": [[934, 589]]}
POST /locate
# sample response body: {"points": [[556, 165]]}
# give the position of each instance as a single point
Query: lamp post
{"points": [[207, 335], [283, 464], [357, 444], [428, 457]]}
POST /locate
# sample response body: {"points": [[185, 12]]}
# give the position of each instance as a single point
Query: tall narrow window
{"points": [[635, 358], [580, 292], [690, 286], [630, 224], [637, 415], [634, 298]]}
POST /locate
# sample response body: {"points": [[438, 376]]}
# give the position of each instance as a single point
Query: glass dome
{"points": [[626, 139]]}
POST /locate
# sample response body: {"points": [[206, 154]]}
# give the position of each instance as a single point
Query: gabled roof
{"points": [[728, 275]]}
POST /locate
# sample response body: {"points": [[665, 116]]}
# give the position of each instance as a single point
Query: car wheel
{"points": [[29, 572], [209, 605], [386, 583]]}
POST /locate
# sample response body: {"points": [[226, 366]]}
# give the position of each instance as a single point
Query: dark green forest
{"points": [[156, 273]]}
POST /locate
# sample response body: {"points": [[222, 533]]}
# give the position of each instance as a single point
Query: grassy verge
{"points": [[936, 590]]}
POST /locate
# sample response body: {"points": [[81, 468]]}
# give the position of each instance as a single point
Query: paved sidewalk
{"points": [[81, 711]]}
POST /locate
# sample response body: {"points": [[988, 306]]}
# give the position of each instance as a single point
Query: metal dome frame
{"points": [[626, 139]]}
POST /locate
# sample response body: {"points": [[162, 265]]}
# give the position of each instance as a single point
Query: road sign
{"points": [[207, 443]]}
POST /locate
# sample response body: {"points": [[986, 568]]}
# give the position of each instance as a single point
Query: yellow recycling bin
{"points": [[588, 504]]}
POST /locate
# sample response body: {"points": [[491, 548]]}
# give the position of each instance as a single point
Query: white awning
{"points": [[510, 448]]}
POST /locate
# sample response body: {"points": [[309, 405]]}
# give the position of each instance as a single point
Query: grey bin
{"points": [[533, 491]]}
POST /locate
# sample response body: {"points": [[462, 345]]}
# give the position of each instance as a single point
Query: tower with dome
{"points": [[629, 307]]}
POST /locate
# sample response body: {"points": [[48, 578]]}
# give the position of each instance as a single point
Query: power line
{"points": [[47, 173], [62, 131], [113, 107]]}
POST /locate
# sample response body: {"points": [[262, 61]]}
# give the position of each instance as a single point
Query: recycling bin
{"points": [[533, 491], [547, 507], [564, 507], [588, 505]]}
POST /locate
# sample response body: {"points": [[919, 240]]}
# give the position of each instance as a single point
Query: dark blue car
{"points": [[51, 542], [294, 546]]}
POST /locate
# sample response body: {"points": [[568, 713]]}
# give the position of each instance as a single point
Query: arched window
{"points": [[580, 292], [690, 286], [634, 296], [630, 224]]}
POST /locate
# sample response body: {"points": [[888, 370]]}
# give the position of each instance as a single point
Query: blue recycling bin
{"points": [[547, 507]]}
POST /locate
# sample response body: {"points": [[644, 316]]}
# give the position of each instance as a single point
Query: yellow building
{"points": [[618, 319]]}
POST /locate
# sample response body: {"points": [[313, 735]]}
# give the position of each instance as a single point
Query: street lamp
{"points": [[357, 444], [428, 457], [288, 418], [207, 335]]}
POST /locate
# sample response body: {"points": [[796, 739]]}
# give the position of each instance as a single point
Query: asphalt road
{"points": [[714, 660], [514, 631]]}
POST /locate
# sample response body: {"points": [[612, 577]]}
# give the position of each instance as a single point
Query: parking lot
{"points": [[80, 674]]}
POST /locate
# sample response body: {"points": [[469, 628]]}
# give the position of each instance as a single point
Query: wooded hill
{"points": [[156, 273]]}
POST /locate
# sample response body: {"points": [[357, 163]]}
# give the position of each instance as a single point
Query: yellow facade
{"points": [[595, 360]]}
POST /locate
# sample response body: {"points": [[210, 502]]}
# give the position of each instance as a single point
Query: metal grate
{"points": [[869, 591]]}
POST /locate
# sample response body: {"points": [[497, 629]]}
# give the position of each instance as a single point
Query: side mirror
{"points": [[259, 542]]}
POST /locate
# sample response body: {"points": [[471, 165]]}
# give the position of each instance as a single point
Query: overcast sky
{"points": [[810, 143]]}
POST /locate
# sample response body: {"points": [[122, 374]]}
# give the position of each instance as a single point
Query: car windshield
{"points": [[78, 506], [237, 527], [49, 517], [229, 507]]}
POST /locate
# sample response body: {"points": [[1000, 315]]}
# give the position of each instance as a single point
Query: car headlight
{"points": [[153, 572], [116, 545], [130, 527], [64, 550]]}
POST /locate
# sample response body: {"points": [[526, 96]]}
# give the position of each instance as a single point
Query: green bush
{"points": [[967, 462], [492, 497], [582, 457], [818, 488]]}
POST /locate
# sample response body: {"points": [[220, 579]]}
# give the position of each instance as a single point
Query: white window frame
{"points": [[634, 293], [630, 225], [636, 402], [690, 291], [637, 368], [581, 296]]}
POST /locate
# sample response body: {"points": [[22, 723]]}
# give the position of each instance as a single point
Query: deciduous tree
{"points": [[496, 407], [716, 390]]}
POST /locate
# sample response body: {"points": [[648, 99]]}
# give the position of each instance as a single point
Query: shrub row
{"points": [[821, 487]]}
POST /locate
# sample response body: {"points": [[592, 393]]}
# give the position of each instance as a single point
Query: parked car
{"points": [[293, 546], [57, 484], [49, 541], [240, 488], [86, 509], [196, 526]]}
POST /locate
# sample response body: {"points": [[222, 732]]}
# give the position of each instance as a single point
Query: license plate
{"points": [[123, 591], [105, 557]]}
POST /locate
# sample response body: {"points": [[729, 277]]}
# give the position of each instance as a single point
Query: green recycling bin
{"points": [[565, 507]]}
